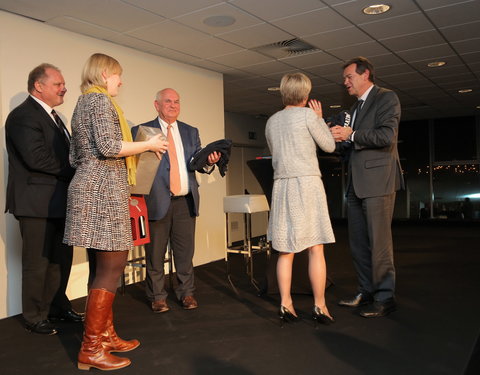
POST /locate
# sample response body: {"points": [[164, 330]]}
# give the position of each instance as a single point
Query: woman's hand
{"points": [[316, 106], [158, 144]]}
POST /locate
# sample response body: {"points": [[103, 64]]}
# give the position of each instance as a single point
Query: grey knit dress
{"points": [[97, 208], [299, 213]]}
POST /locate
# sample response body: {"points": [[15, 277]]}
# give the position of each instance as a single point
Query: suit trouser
{"points": [[178, 226], [46, 265], [371, 244]]}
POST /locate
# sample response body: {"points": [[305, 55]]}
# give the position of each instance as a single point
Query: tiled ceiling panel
{"points": [[400, 43]]}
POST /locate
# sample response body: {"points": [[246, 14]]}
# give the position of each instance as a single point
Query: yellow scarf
{"points": [[130, 161]]}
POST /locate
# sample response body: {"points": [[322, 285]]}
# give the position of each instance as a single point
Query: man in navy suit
{"points": [[374, 176], [38, 176], [173, 205]]}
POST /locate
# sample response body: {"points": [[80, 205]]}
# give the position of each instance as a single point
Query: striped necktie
{"points": [[61, 126]]}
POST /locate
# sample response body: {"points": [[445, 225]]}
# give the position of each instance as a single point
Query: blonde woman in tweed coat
{"points": [[97, 209], [299, 217]]}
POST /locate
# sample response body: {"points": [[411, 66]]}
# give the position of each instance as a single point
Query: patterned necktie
{"points": [[174, 168], [61, 126]]}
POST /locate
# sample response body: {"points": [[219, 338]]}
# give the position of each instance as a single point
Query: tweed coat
{"points": [[97, 207]]}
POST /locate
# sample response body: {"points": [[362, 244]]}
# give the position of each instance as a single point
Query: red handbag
{"points": [[139, 220]]}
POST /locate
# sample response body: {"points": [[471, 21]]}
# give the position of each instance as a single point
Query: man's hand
{"points": [[341, 133], [214, 157]]}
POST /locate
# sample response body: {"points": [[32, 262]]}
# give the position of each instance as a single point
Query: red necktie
{"points": [[174, 169]]}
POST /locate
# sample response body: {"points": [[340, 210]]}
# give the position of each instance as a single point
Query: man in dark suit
{"points": [[38, 177], [173, 205], [374, 176]]}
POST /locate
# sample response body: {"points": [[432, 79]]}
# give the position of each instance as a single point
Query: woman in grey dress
{"points": [[97, 208], [299, 217]]}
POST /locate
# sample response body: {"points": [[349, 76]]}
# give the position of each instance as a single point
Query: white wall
{"points": [[24, 44]]}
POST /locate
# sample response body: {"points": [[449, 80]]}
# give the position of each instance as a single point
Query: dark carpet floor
{"points": [[433, 332]]}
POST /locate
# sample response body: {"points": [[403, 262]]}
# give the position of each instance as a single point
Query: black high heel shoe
{"points": [[286, 316], [320, 317]]}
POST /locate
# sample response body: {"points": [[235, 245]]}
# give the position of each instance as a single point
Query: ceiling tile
{"points": [[385, 71], [338, 38], [241, 58], [363, 49], [337, 28], [207, 64], [270, 9], [352, 10], [312, 22], [174, 55], [416, 40], [385, 60], [129, 41], [396, 26], [267, 68], [421, 65], [184, 39], [461, 32], [430, 4], [255, 36], [309, 59], [171, 9], [196, 19], [455, 14], [82, 27], [467, 46], [432, 52], [276, 77], [327, 70]]}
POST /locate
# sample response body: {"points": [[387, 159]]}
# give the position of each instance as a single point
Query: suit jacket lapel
{"points": [[48, 120], [183, 130]]}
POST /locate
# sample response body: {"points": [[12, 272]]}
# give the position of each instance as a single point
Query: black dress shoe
{"points": [[43, 327], [359, 300], [68, 316], [378, 309]]}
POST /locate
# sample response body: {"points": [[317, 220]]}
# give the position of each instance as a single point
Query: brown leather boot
{"points": [[92, 352], [112, 343]]}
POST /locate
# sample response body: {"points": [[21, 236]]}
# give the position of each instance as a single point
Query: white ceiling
{"points": [[400, 43]]}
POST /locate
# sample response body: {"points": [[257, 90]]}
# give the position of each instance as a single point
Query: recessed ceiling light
{"points": [[219, 21], [464, 91], [376, 9], [436, 64], [333, 106], [273, 89]]}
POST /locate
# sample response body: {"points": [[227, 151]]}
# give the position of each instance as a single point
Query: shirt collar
{"points": [[44, 105], [164, 125], [365, 94]]}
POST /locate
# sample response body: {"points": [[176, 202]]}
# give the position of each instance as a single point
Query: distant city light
{"points": [[472, 196]]}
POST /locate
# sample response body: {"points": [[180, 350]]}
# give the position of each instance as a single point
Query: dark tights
{"points": [[105, 268]]}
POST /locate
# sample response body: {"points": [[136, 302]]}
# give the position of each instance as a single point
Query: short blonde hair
{"points": [[95, 66], [295, 88]]}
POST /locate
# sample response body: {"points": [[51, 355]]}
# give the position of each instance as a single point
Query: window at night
{"points": [[455, 139]]}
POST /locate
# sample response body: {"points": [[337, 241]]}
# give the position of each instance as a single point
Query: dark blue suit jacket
{"points": [[158, 201]]}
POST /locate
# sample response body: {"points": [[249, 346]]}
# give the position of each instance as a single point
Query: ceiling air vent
{"points": [[285, 48]]}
